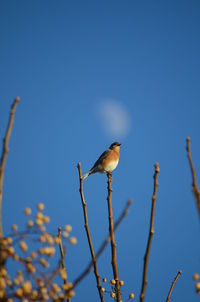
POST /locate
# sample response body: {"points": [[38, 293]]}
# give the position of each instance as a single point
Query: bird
{"points": [[107, 161]]}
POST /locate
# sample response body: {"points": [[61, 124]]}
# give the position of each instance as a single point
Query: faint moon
{"points": [[114, 118]]}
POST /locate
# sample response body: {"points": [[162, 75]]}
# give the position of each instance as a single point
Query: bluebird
{"points": [[107, 162]]}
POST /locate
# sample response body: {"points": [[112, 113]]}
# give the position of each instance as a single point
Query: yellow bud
{"points": [[19, 293], [56, 240], [30, 268], [131, 296], [67, 286], [113, 282], [198, 287], [104, 280], [27, 287], [121, 282], [55, 288], [44, 263], [39, 222], [10, 250], [50, 239], [103, 289], [9, 240], [68, 228], [3, 272], [71, 293], [14, 227], [2, 294], [16, 257], [2, 283], [65, 234], [112, 295], [63, 274], [30, 223], [40, 206], [46, 219], [43, 290], [33, 255], [34, 294], [196, 277], [27, 211], [23, 246], [43, 239], [73, 240], [39, 215]]}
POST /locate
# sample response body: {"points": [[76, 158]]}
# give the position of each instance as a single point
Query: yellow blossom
{"points": [[55, 288], [27, 287], [19, 293], [27, 211], [68, 228], [73, 240], [131, 296], [14, 227], [23, 246], [30, 223], [196, 277], [40, 206]]}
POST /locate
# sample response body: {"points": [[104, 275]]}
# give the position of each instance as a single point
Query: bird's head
{"points": [[115, 146]]}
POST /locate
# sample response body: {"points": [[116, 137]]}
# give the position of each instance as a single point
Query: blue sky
{"points": [[68, 61]]}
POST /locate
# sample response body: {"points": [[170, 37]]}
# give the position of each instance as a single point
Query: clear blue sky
{"points": [[70, 60]]}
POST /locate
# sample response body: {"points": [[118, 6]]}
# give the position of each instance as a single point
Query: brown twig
{"points": [[151, 232], [62, 254], [87, 270], [195, 188], [94, 261], [4, 155], [113, 243], [172, 286]]}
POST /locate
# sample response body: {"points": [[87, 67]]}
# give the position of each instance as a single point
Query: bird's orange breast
{"points": [[111, 161]]}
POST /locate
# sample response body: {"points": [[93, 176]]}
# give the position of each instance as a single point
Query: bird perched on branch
{"points": [[107, 162]]}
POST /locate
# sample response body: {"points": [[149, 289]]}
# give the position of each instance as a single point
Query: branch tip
{"points": [[157, 169]]}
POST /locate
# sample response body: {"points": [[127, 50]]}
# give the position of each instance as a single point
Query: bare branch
{"points": [[151, 232], [4, 155], [195, 188], [113, 243], [62, 254], [172, 286], [94, 261], [87, 270]]}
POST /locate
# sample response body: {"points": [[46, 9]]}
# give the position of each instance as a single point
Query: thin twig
{"points": [[195, 188], [172, 286], [4, 155], [151, 232], [113, 243], [94, 261], [87, 270], [62, 254]]}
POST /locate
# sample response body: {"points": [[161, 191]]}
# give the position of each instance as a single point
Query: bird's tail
{"points": [[87, 174]]}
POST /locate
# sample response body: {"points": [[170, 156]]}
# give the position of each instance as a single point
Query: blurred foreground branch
{"points": [[4, 155], [172, 286], [87, 270], [94, 261], [113, 243], [195, 188], [151, 232]]}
